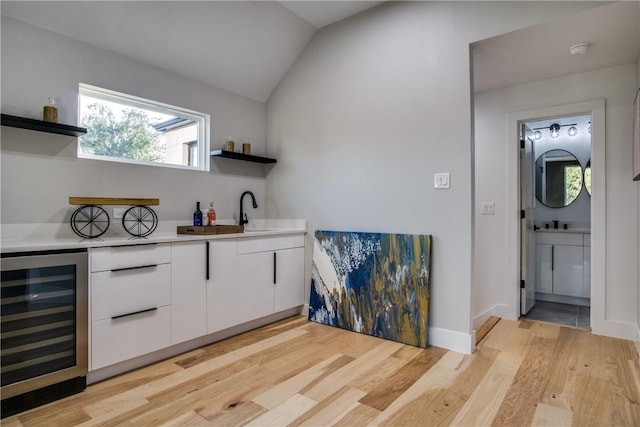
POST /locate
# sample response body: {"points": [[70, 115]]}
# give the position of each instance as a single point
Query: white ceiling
{"points": [[542, 51], [246, 47]]}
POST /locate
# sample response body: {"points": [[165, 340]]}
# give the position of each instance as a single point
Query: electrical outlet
{"points": [[442, 181], [488, 208], [118, 212]]}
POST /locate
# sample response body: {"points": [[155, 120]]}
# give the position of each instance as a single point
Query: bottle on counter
{"points": [[197, 215], [211, 215]]}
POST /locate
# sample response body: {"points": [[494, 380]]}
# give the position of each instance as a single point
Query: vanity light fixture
{"points": [[554, 130]]}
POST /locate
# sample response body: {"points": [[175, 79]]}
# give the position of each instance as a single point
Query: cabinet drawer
{"points": [[587, 239], [112, 258], [115, 340], [573, 239], [114, 293], [263, 244]]}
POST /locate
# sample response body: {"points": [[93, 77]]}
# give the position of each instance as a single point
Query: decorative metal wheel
{"points": [[90, 221], [139, 221]]}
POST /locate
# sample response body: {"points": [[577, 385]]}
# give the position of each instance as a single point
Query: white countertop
{"points": [[561, 230], [256, 228]]}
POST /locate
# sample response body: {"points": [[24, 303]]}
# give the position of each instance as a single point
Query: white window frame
{"points": [[202, 119]]}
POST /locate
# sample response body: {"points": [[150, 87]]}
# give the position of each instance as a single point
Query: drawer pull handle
{"points": [[134, 268], [135, 312], [275, 269]]}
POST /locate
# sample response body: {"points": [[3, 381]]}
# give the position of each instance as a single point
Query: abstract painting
{"points": [[373, 283]]}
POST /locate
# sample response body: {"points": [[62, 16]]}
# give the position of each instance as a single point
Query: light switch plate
{"points": [[488, 208], [442, 181]]}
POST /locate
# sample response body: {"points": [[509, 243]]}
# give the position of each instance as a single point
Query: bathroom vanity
{"points": [[563, 266]]}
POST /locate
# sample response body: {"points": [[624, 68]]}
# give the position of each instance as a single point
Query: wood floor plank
{"points": [[519, 404], [397, 383], [359, 415], [561, 386], [303, 373], [551, 416], [338, 379], [284, 413], [190, 419], [487, 398], [237, 415], [437, 403], [288, 388], [331, 409]]}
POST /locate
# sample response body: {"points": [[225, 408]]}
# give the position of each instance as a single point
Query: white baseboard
{"points": [[452, 340], [615, 329], [499, 310]]}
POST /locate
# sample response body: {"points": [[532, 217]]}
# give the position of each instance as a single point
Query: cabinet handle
{"points": [[135, 312], [207, 272], [553, 258], [134, 268], [274, 268]]}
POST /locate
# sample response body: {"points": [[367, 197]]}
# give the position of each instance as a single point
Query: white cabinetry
{"points": [[188, 290], [222, 292], [562, 264], [130, 302], [270, 275]]}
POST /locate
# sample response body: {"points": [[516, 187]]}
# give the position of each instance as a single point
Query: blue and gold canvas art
{"points": [[373, 283]]}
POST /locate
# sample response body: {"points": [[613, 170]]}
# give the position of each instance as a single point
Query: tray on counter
{"points": [[210, 229]]}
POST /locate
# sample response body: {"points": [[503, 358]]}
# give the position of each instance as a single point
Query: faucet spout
{"points": [[243, 216]]}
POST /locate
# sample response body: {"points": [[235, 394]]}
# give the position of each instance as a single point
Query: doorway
{"points": [[537, 252], [555, 194]]}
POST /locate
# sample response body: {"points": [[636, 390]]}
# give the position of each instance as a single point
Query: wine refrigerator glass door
{"points": [[44, 320]]}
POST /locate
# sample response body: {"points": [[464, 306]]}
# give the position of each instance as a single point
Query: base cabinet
{"points": [[270, 275], [188, 290], [146, 298], [222, 292], [563, 264]]}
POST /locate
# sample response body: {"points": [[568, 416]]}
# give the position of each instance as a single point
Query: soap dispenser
{"points": [[211, 215]]}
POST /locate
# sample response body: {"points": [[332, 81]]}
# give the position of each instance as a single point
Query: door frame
{"points": [[596, 109]]}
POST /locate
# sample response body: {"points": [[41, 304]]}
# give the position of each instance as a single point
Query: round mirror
{"points": [[558, 178], [587, 177]]}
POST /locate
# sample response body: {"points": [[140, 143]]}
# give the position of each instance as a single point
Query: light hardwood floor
{"points": [[299, 373]]}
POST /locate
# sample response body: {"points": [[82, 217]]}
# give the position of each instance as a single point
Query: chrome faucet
{"points": [[243, 216]]}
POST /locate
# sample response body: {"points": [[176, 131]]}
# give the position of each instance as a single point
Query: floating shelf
{"points": [[239, 156], [113, 201], [41, 126]]}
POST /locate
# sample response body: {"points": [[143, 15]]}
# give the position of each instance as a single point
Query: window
{"points": [[129, 129]]}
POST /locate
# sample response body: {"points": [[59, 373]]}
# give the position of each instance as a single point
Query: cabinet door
{"points": [[544, 275], [255, 285], [289, 275], [188, 290], [568, 270], [222, 292], [586, 288]]}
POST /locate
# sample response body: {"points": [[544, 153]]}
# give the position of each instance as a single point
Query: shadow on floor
{"points": [[564, 314]]}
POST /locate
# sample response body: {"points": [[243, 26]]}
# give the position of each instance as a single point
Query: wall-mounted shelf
{"points": [[239, 156], [41, 126]]}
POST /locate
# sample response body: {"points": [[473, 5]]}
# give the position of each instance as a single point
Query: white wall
{"points": [[40, 171], [616, 86], [376, 105], [637, 338]]}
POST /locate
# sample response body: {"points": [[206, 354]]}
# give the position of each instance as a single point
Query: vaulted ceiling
{"points": [[246, 47]]}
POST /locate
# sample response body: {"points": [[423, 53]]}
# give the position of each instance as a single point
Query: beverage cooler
{"points": [[44, 327]]}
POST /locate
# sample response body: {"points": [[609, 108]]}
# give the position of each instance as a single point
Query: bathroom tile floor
{"points": [[565, 314]]}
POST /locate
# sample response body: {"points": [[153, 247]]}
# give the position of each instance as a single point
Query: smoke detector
{"points": [[579, 49]]}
